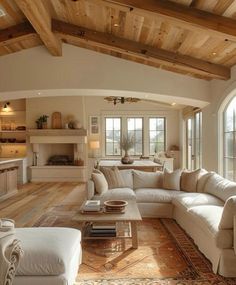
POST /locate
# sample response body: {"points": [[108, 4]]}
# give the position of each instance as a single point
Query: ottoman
{"points": [[51, 256]]}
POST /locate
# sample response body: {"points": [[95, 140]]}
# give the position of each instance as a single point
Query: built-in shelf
{"points": [[58, 167], [57, 132], [12, 143], [15, 131]]}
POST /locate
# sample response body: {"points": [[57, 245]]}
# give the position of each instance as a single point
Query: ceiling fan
{"points": [[122, 100]]}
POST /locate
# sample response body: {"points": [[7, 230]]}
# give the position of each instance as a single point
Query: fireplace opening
{"points": [[60, 160]]}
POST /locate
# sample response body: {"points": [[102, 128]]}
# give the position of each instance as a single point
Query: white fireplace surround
{"points": [[47, 142]]}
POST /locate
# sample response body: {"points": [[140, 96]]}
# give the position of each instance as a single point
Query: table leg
{"points": [[134, 231]]}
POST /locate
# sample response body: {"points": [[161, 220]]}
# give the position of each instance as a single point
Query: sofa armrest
{"points": [[90, 189]]}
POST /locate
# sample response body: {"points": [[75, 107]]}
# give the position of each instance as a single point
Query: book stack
{"points": [[100, 230], [92, 206]]}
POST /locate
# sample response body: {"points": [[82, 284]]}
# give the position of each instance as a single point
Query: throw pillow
{"points": [[202, 180], [171, 180], [143, 179], [229, 211], [113, 177], [100, 183], [188, 180], [127, 175]]}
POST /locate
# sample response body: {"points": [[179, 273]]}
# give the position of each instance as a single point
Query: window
{"points": [[135, 130], [157, 135], [148, 132], [113, 136], [229, 167], [194, 141]]}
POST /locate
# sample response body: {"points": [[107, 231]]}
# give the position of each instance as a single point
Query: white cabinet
{"points": [[8, 182], [3, 186]]}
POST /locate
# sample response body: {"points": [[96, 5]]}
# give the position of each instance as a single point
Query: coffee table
{"points": [[131, 217]]}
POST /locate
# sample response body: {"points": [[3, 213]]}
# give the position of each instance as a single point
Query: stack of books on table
{"points": [[91, 206], [100, 230]]}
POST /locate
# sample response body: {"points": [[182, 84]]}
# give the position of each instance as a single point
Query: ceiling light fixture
{"points": [[173, 104], [115, 100], [116, 25], [214, 53]]}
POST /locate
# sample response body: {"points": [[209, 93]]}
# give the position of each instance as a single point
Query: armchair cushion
{"points": [[47, 251], [171, 180]]}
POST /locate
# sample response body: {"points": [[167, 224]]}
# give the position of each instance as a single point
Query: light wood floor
{"points": [[35, 199]]}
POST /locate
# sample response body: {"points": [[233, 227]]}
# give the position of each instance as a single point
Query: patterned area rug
{"points": [[166, 255]]}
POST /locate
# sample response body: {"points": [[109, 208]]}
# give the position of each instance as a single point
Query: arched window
{"points": [[229, 147]]}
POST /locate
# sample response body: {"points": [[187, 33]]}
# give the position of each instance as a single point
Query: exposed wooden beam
{"points": [[187, 17], [141, 51], [40, 19], [16, 33]]}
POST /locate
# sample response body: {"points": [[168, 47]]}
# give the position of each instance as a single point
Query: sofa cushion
{"points": [[220, 187], [113, 177], [207, 217], [100, 182], [116, 194], [202, 180], [143, 179], [146, 195], [227, 219], [188, 200], [171, 180], [127, 175], [47, 251], [188, 180]]}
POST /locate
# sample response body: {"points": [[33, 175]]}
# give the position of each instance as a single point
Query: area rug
{"points": [[165, 256]]}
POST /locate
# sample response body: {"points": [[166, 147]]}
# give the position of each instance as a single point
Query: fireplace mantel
{"points": [[57, 132], [41, 136]]}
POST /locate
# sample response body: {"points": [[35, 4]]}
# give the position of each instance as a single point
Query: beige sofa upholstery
{"points": [[207, 215], [51, 256]]}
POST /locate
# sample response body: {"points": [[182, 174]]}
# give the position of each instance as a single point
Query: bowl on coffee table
{"points": [[115, 206]]}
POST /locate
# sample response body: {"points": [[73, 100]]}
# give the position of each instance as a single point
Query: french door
{"points": [[194, 141]]}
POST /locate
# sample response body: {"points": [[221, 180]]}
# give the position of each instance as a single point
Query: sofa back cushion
{"points": [[171, 180], [202, 180], [229, 211], [144, 179], [100, 182], [127, 175], [220, 187], [113, 177], [188, 180]]}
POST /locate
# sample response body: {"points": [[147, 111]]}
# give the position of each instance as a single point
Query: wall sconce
{"points": [[6, 107]]}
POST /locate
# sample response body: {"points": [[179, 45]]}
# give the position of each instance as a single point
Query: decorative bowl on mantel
{"points": [[115, 205]]}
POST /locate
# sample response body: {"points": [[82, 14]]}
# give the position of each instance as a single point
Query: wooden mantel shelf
{"points": [[57, 132]]}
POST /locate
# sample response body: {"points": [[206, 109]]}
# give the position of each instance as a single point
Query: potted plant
{"points": [[42, 122], [127, 143]]}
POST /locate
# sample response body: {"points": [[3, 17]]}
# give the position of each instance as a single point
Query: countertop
{"points": [[9, 160]]}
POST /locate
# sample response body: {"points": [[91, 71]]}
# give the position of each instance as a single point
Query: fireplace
{"points": [[58, 155], [60, 160]]}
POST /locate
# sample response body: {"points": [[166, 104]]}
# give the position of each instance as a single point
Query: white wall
{"points": [[84, 72]]}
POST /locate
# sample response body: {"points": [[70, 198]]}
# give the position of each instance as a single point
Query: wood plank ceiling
{"points": [[193, 37]]}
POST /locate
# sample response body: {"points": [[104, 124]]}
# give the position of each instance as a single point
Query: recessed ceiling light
{"points": [[39, 93], [173, 104], [116, 25], [2, 13], [214, 53]]}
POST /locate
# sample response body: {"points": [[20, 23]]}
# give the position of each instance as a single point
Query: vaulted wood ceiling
{"points": [[193, 37]]}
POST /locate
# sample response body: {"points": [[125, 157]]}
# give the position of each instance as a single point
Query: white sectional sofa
{"points": [[206, 209]]}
